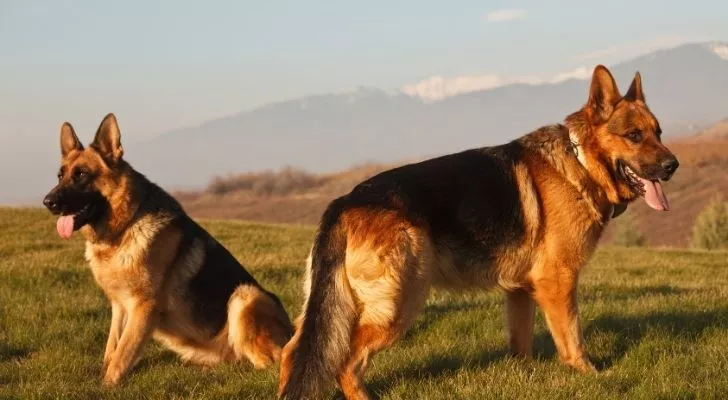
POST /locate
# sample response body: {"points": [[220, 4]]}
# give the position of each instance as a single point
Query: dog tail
{"points": [[258, 325], [321, 344]]}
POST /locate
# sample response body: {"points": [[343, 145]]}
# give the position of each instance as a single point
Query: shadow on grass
{"points": [[435, 366], [432, 313], [10, 352], [629, 331], [619, 293], [160, 357]]}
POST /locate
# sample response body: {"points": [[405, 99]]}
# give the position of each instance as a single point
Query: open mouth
{"points": [[70, 222], [649, 189]]}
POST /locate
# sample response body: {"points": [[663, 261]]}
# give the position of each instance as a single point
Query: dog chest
{"points": [[119, 271]]}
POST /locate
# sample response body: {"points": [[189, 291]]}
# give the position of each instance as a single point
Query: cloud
{"points": [[504, 15], [437, 88], [720, 49], [576, 73], [634, 48]]}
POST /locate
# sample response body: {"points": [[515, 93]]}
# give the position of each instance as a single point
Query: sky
{"points": [[168, 64]]}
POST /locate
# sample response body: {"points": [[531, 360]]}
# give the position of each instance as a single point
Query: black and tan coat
{"points": [[524, 216], [164, 275]]}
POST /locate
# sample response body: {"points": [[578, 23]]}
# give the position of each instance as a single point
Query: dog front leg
{"points": [[557, 298], [138, 329], [115, 330]]}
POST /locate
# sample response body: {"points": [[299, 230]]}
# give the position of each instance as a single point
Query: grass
{"points": [[655, 320]]}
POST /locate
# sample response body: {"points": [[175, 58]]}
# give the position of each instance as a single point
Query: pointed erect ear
{"points": [[603, 94], [635, 89], [69, 140], [108, 140]]}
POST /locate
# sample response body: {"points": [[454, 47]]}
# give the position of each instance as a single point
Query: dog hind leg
{"points": [[520, 309]]}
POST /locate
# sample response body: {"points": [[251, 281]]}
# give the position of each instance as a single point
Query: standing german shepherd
{"points": [[163, 273], [524, 216]]}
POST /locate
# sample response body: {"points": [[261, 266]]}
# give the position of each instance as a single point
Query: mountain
{"points": [[685, 87]]}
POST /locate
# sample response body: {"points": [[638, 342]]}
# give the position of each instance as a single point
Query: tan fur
{"points": [[379, 242]]}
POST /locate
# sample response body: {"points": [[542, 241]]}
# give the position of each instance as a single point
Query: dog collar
{"points": [[575, 148]]}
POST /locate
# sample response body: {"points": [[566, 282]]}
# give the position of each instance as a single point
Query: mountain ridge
{"points": [[329, 132]]}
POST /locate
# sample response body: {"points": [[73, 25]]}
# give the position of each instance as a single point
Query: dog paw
{"points": [[108, 383], [581, 364], [585, 366], [111, 377]]}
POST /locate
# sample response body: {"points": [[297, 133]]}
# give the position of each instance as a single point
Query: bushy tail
{"points": [[322, 342], [258, 325]]}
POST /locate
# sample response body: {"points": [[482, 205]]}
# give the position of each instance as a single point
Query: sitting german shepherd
{"points": [[524, 216], [163, 273]]}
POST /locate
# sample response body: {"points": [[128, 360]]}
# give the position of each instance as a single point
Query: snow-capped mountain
{"points": [[685, 86]]}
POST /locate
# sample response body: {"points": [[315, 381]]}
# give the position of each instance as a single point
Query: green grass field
{"points": [[655, 320]]}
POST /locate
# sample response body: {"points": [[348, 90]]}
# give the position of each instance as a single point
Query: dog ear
{"points": [[603, 95], [69, 140], [635, 89], [107, 141]]}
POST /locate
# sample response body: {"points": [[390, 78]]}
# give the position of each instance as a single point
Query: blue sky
{"points": [[167, 64]]}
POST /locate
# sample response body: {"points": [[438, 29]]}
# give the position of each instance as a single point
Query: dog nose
{"points": [[51, 203], [670, 164]]}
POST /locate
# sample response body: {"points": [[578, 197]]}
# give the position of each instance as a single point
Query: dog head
{"points": [[621, 140], [87, 177]]}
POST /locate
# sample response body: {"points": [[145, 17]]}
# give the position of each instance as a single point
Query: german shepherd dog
{"points": [[524, 216], [164, 275]]}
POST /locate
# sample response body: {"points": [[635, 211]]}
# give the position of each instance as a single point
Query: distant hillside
{"points": [[685, 87], [286, 195], [715, 132], [295, 196]]}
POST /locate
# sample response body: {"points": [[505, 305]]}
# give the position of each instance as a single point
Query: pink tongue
{"points": [[64, 226], [654, 197]]}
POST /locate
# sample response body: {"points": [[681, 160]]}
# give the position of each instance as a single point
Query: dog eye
{"points": [[635, 136], [80, 175]]}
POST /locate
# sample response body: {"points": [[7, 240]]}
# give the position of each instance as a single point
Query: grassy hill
{"points": [[657, 321], [295, 196]]}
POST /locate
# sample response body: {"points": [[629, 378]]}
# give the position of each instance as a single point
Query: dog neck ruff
{"points": [[617, 209]]}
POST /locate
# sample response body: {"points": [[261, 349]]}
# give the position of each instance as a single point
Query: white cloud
{"points": [[721, 50], [634, 48], [504, 15], [438, 88], [576, 73]]}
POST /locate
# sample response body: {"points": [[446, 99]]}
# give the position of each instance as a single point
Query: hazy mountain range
{"points": [[686, 87]]}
